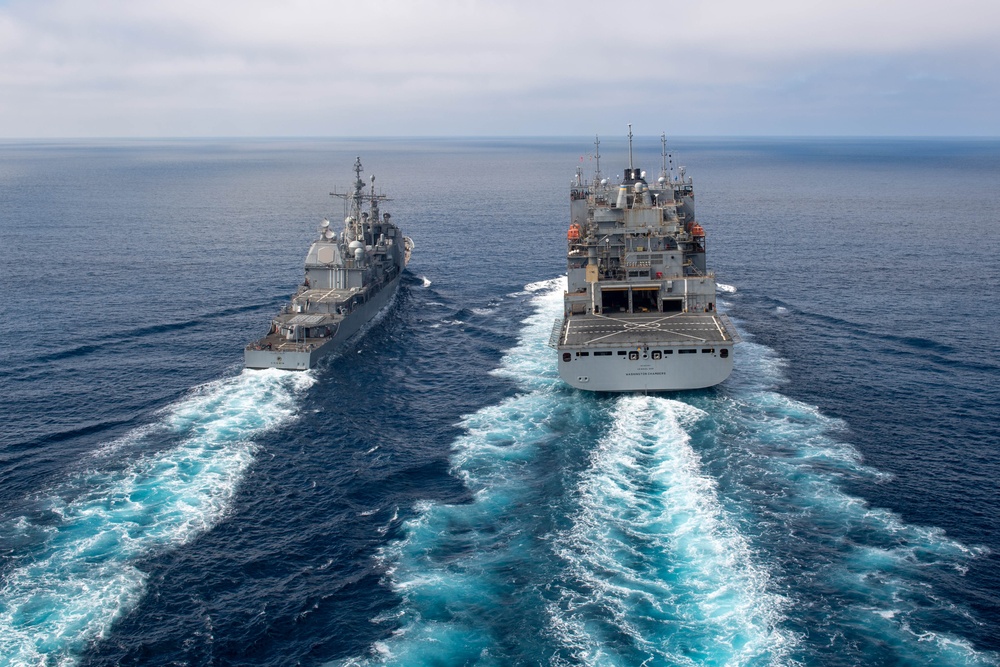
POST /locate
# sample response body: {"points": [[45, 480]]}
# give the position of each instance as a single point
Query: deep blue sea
{"points": [[434, 495]]}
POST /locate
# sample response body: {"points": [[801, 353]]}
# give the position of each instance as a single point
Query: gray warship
{"points": [[349, 278], [639, 310]]}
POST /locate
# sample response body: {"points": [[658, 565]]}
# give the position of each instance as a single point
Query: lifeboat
{"points": [[574, 232], [697, 230]]}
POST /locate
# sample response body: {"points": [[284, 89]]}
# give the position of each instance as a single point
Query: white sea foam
{"points": [[440, 594], [654, 559], [547, 286], [649, 540], [659, 563], [80, 575], [728, 289], [425, 281], [872, 572], [531, 362]]}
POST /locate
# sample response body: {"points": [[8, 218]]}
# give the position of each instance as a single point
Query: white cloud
{"points": [[113, 67]]}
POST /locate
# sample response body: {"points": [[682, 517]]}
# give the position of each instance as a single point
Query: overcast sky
{"points": [[166, 68]]}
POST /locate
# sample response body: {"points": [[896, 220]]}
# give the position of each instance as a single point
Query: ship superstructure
{"points": [[349, 278], [639, 310]]}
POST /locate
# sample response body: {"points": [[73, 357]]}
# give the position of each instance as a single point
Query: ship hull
{"points": [[635, 369], [307, 354], [645, 352]]}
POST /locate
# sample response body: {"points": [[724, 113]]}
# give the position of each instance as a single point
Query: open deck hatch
{"points": [[673, 305], [614, 300], [644, 299]]}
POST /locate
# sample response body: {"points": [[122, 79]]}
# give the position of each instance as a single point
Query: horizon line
{"points": [[310, 137]]}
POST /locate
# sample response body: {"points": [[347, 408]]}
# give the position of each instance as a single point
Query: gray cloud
{"points": [[442, 67]]}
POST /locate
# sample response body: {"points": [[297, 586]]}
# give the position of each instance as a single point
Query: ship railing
{"points": [[281, 347], [730, 328], [693, 273], [556, 334]]}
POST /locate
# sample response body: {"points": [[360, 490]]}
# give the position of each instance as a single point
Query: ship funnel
{"points": [[642, 193], [622, 196]]}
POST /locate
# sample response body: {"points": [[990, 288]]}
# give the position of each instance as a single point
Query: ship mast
{"points": [[356, 220], [663, 154], [358, 199], [374, 201], [597, 156], [630, 167]]}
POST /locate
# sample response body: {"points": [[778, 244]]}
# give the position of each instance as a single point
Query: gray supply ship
{"points": [[639, 310], [349, 278]]}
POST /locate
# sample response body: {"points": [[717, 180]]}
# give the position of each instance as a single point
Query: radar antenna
{"points": [[354, 201], [356, 220]]}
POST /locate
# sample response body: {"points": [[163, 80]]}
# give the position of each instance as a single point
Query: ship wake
{"points": [[656, 572], [565, 555], [73, 569], [622, 530]]}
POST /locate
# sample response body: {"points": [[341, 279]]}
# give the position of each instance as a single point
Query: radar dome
{"points": [[325, 223]]}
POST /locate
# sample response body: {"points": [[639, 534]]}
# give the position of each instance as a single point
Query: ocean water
{"points": [[434, 495]]}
